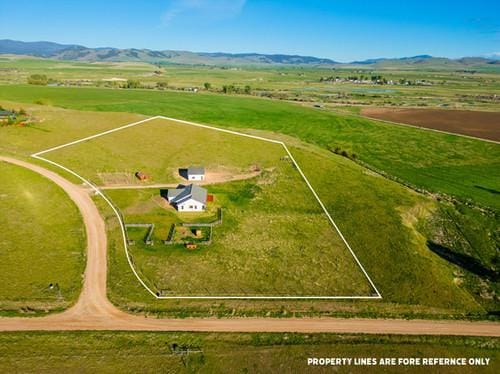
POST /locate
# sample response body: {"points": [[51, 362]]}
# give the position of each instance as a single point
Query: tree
{"points": [[207, 85], [228, 88], [133, 84], [161, 85], [38, 79], [247, 90]]}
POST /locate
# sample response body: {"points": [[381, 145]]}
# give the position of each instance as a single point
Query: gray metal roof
{"points": [[6, 113], [192, 191], [173, 192], [196, 170]]}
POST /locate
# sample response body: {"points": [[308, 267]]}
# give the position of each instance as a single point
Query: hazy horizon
{"points": [[342, 32]]}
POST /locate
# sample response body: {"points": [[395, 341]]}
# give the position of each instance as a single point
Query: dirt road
{"points": [[211, 177], [93, 311]]}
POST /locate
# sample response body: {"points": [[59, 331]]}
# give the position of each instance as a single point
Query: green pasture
{"points": [[56, 126], [380, 204], [42, 244], [147, 352], [464, 168], [160, 148], [471, 89], [274, 239], [391, 246]]}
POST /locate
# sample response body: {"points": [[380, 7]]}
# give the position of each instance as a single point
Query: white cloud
{"points": [[495, 55], [208, 9]]}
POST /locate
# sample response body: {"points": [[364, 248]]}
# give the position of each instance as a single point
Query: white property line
{"points": [[122, 224]]}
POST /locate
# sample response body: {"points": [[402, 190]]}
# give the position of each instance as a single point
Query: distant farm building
{"points": [[195, 173], [190, 198], [7, 114]]}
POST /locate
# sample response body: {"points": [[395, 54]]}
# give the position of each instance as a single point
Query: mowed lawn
{"points": [[465, 168], [42, 244], [184, 352], [275, 240]]}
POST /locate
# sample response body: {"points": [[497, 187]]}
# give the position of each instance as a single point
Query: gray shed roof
{"points": [[6, 113], [173, 192], [192, 191], [196, 170]]}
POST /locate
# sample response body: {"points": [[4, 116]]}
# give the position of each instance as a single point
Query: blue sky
{"points": [[342, 30]]}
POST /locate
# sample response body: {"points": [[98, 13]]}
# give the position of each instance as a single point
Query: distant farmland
{"points": [[459, 167], [485, 125]]}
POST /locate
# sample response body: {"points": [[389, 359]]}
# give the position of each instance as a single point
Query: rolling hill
{"points": [[75, 52], [80, 53]]}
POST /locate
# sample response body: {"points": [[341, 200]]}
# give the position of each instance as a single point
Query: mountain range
{"points": [[75, 52]]}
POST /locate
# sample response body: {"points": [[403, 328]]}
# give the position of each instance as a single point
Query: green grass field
{"points": [[160, 147], [145, 352], [56, 126], [448, 89], [393, 230], [464, 168], [274, 240], [392, 248], [380, 218], [42, 244]]}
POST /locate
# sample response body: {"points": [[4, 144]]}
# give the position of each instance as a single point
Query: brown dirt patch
{"points": [[484, 125], [119, 178]]}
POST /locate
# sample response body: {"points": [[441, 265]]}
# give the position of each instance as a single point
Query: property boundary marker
{"points": [[96, 189]]}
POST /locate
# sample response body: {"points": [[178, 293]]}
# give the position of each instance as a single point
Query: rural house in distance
{"points": [[195, 173], [190, 198], [7, 114]]}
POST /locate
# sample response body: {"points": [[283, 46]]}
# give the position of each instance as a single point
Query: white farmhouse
{"points": [[191, 198], [196, 173]]}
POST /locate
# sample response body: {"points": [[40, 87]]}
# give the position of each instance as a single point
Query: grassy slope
{"points": [[275, 239], [469, 237], [125, 290], [131, 352], [42, 242], [159, 148], [441, 163], [411, 279], [56, 126]]}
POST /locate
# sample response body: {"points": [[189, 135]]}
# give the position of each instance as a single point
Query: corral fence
{"points": [[149, 226], [171, 234], [170, 240]]}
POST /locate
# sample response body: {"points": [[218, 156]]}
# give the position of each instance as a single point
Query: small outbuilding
{"points": [[190, 198], [7, 114], [196, 173], [141, 176]]}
